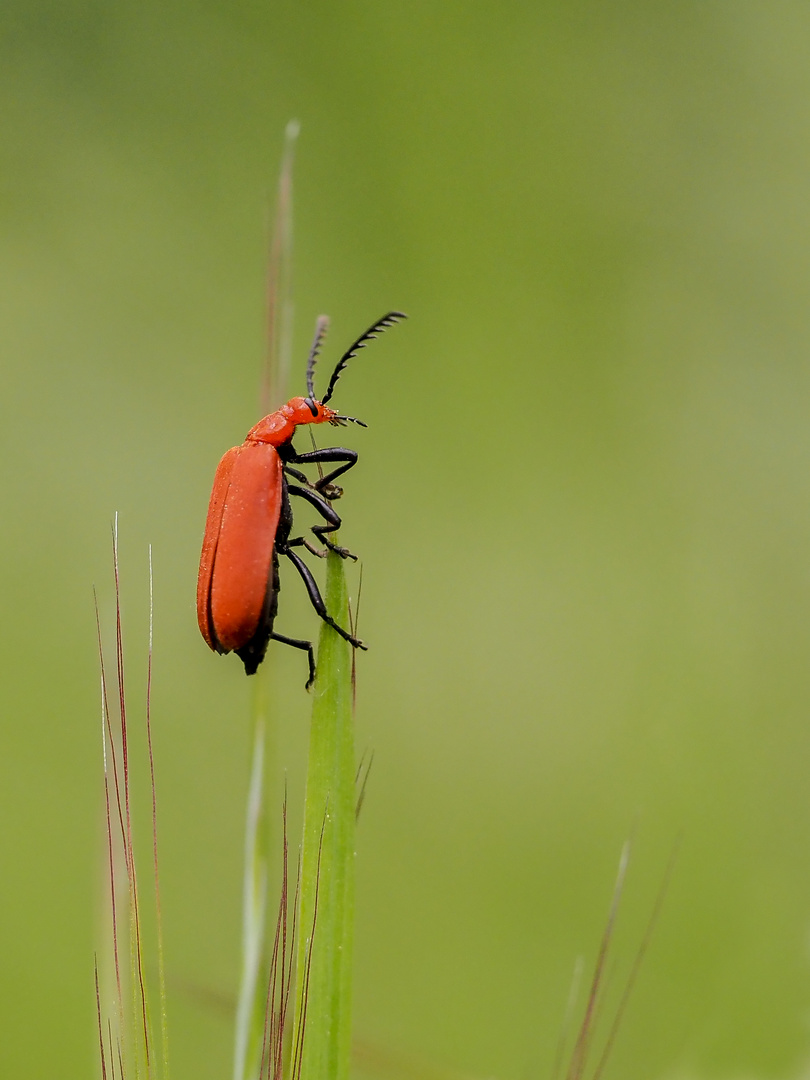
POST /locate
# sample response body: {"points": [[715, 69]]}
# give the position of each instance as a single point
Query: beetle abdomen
{"points": [[237, 555]]}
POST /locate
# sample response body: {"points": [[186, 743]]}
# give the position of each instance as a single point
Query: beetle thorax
{"points": [[279, 427]]}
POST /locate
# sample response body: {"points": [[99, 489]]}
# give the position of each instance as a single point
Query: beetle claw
{"points": [[313, 550], [344, 553]]}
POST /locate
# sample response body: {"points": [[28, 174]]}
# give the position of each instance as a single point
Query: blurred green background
{"points": [[583, 502]]}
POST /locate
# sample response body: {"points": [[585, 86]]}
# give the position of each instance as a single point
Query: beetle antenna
{"points": [[374, 331], [321, 326]]}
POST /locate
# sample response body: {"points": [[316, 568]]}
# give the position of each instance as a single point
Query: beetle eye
{"points": [[312, 406]]}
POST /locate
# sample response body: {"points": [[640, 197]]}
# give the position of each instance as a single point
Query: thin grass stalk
{"points": [[637, 962], [579, 1056], [130, 1050], [164, 1020], [110, 755], [100, 1023], [249, 1034], [106, 731], [140, 1003], [568, 1018], [279, 284], [275, 1003], [247, 1050], [322, 1032], [275, 1042]]}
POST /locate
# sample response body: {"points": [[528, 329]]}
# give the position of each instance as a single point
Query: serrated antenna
{"points": [[374, 331], [321, 326]]}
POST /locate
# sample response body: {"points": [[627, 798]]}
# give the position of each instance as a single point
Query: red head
{"points": [[279, 427]]}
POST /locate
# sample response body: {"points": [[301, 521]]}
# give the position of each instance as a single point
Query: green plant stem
{"points": [[247, 1044], [322, 1033]]}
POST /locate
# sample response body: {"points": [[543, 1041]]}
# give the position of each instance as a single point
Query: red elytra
{"points": [[250, 521]]}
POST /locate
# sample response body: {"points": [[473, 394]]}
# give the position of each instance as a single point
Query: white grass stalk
{"points": [[254, 909]]}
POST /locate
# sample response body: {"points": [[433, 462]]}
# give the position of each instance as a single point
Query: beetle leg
{"points": [[315, 597], [302, 478], [343, 552], [301, 541], [331, 517], [297, 643], [329, 453], [331, 491]]}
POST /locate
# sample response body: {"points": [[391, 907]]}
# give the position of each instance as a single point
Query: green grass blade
{"points": [[322, 1033], [247, 1046]]}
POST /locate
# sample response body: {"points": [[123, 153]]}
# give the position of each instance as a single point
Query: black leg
{"points": [[332, 523], [316, 599], [302, 478], [306, 646], [301, 541], [328, 453]]}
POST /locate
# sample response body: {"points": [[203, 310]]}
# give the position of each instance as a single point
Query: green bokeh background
{"points": [[583, 502]]}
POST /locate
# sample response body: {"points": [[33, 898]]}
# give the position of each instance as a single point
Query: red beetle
{"points": [[250, 520]]}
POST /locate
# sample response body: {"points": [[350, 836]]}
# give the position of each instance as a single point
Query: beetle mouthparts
{"points": [[341, 421]]}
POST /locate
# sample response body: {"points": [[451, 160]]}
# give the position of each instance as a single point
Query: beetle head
{"points": [[300, 410]]}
